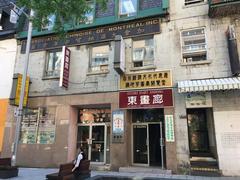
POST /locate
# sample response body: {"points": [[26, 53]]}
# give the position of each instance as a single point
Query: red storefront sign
{"points": [[146, 99], [65, 67]]}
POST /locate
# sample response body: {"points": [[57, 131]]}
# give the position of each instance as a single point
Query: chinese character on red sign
{"points": [[64, 76], [143, 99]]}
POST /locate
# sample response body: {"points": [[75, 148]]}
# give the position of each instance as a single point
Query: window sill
{"points": [[51, 78], [194, 5], [196, 63], [97, 72], [143, 68]]}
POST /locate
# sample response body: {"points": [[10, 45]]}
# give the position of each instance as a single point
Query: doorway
{"points": [[146, 144], [202, 143], [146, 137], [94, 134], [198, 132], [93, 140]]}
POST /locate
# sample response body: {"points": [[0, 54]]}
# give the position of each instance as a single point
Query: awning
{"points": [[209, 85]]}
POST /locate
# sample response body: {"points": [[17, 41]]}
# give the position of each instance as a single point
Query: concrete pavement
{"points": [[39, 174]]}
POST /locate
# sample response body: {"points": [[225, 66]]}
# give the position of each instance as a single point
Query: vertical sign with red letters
{"points": [[65, 67]]}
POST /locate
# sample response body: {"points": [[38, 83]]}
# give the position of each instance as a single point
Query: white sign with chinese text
{"points": [[198, 100], [169, 128]]}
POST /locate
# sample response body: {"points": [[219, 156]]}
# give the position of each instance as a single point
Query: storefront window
{"points": [[88, 116], [147, 115], [53, 64], [38, 126]]}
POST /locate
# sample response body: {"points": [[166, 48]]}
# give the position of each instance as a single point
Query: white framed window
{"points": [[127, 8], [53, 64], [143, 52], [50, 23], [189, 2], [194, 46], [89, 16], [99, 58]]}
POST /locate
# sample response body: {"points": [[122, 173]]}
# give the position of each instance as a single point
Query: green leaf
{"points": [[67, 12]]}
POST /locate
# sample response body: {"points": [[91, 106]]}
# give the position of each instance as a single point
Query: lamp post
{"points": [[24, 77]]}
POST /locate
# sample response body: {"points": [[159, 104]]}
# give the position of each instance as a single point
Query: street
{"points": [[40, 173]]}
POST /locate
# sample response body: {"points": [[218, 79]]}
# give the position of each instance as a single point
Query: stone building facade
{"points": [[8, 50], [165, 95]]}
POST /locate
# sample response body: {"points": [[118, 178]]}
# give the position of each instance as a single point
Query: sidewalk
{"points": [[39, 174]]}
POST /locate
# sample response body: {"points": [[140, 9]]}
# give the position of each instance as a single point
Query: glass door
{"points": [[140, 144], [93, 139], [98, 143], [83, 139]]}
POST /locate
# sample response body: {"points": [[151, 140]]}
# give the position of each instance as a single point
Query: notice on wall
{"points": [[156, 79], [169, 128], [198, 100], [117, 126]]}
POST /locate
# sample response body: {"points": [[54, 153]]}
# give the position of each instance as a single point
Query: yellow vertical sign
{"points": [[18, 90]]}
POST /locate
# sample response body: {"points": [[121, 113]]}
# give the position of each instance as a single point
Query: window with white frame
{"points": [[189, 2], [99, 58], [194, 47], [127, 8], [143, 52], [53, 63], [50, 23], [89, 16]]}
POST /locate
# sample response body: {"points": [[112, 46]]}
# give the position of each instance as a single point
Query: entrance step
{"points": [[204, 159], [212, 172], [204, 166], [97, 167], [152, 170]]}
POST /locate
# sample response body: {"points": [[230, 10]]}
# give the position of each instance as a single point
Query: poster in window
{"points": [[38, 126]]}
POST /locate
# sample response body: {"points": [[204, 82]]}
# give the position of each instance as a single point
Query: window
{"points": [[99, 58], [143, 52], [38, 126], [50, 23], [127, 8], [5, 23], [194, 46], [189, 2], [88, 16], [53, 64]]}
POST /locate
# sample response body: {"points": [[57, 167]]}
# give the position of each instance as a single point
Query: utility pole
{"points": [[24, 77]]}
